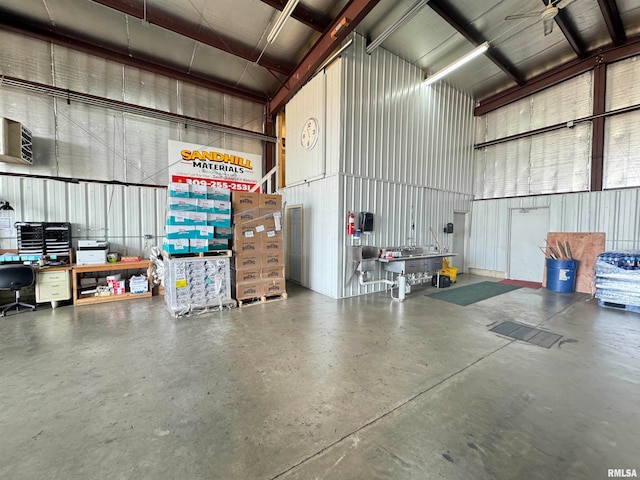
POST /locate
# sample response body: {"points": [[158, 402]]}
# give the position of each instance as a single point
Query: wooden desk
{"points": [[107, 267]]}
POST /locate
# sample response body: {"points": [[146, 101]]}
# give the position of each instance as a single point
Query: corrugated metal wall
{"points": [[123, 215], [391, 144], [320, 197], [77, 140], [91, 142], [612, 212], [396, 207], [396, 129], [321, 223], [407, 153]]}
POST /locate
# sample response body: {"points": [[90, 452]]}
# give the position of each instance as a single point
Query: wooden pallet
{"points": [[619, 306], [263, 299], [195, 310], [211, 253]]}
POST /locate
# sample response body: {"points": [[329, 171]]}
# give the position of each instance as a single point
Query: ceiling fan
{"points": [[547, 14]]}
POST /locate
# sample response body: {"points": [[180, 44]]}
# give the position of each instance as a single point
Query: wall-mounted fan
{"points": [[547, 14]]}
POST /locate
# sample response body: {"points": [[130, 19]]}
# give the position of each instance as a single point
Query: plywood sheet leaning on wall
{"points": [[584, 247]]}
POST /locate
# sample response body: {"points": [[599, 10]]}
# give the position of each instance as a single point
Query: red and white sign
{"points": [[212, 166]]}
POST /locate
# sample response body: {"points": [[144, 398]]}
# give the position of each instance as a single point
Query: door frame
{"points": [[510, 228], [287, 233], [466, 238]]}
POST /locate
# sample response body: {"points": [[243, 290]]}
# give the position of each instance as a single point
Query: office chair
{"points": [[15, 277]]}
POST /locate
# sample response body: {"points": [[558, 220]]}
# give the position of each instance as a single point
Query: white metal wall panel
{"points": [[613, 212], [396, 207], [304, 164], [333, 125], [321, 223], [397, 129], [622, 151], [121, 214], [623, 84]]}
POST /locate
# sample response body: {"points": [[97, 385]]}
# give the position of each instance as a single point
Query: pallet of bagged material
{"points": [[210, 253], [262, 299], [195, 309], [619, 306]]}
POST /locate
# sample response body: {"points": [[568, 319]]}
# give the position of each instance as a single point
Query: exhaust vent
{"points": [[15, 142]]}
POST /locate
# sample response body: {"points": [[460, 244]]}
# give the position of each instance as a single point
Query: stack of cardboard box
{"points": [[258, 263], [198, 219]]}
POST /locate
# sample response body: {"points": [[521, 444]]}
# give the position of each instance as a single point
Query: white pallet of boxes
{"points": [[197, 284]]}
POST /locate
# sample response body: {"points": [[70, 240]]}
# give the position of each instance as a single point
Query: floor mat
{"points": [[473, 293], [535, 336], [521, 283]]}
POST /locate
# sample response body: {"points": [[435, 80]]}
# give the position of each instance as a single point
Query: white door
{"points": [[529, 228], [459, 240], [294, 244]]}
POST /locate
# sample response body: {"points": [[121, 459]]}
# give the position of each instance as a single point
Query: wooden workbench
{"points": [[109, 267]]}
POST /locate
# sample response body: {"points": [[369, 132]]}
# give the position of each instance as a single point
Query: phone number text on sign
{"points": [[215, 182]]}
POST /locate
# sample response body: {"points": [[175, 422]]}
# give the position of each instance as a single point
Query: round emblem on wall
{"points": [[309, 134]]}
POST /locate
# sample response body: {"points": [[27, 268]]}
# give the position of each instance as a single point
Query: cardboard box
{"points": [[262, 225], [220, 232], [247, 261], [176, 246], [207, 206], [177, 217], [244, 276], [273, 259], [221, 206], [198, 245], [183, 204], [274, 287], [218, 243], [217, 193], [272, 242], [219, 220], [243, 230], [198, 191], [274, 218], [174, 232], [247, 245], [271, 202], [272, 273], [203, 233], [246, 216], [198, 218], [243, 201], [179, 190], [247, 290]]}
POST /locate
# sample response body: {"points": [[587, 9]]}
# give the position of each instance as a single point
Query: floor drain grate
{"points": [[531, 335]]}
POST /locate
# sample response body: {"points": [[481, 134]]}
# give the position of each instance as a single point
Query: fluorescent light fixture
{"points": [[286, 12], [479, 50]]}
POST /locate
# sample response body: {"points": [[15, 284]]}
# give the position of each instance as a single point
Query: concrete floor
{"points": [[316, 388]]}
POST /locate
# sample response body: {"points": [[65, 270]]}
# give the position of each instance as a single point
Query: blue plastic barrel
{"points": [[561, 275]]}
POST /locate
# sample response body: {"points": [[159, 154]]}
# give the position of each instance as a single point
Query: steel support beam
{"points": [[346, 21], [455, 19], [559, 74], [569, 32], [597, 135], [611, 15], [303, 14], [45, 32], [159, 18]]}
